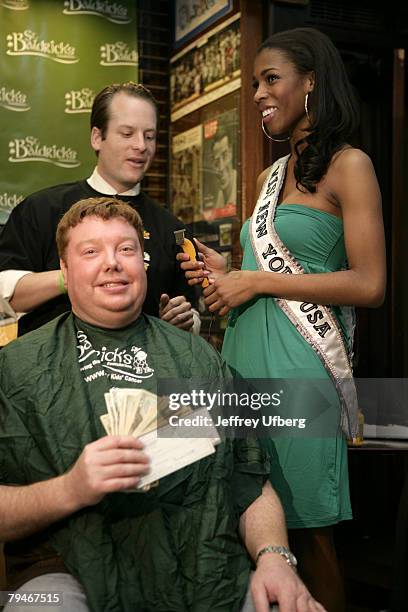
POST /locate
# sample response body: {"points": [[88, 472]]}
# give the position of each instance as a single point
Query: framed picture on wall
{"points": [[186, 174], [191, 17], [206, 70], [205, 185], [220, 175]]}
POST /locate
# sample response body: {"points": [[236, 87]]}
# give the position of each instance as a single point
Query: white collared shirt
{"points": [[99, 184]]}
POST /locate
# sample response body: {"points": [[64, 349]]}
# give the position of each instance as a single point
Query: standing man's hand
{"points": [[176, 311]]}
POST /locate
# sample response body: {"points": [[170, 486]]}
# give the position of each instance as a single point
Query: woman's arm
{"points": [[353, 182]]}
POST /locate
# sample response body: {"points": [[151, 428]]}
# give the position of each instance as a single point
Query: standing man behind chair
{"points": [[124, 124]]}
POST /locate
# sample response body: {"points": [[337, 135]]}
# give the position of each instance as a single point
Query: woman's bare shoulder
{"points": [[260, 180], [350, 158], [351, 176]]}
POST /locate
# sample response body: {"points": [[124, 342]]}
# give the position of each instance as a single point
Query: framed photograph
{"points": [[225, 232], [228, 258], [186, 174], [220, 173], [192, 17], [206, 70]]}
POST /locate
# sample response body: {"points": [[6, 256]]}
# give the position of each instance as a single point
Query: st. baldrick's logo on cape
{"points": [[117, 364]]}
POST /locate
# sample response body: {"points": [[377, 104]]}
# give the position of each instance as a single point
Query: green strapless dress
{"points": [[309, 475]]}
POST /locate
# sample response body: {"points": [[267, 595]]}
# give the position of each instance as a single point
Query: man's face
{"points": [[222, 160], [104, 272], [127, 151]]}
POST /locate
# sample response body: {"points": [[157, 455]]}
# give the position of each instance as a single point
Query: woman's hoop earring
{"points": [[306, 109], [270, 137]]}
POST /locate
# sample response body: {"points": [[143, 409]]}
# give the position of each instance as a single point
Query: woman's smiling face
{"points": [[280, 92]]}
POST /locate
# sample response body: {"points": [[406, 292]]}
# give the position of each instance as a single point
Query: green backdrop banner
{"points": [[55, 55]]}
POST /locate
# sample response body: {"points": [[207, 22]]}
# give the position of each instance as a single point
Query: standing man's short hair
{"points": [[100, 113]]}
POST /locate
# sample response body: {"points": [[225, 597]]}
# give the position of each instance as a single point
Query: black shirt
{"points": [[27, 242]]}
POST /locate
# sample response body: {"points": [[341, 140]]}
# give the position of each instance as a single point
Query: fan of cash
{"points": [[144, 415], [135, 412]]}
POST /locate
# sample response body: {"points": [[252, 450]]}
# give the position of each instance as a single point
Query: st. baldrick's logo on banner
{"points": [[13, 100], [15, 5], [30, 149], [112, 11], [79, 100], [29, 43], [118, 54], [8, 201]]}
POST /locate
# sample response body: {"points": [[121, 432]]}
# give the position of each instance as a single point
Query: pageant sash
{"points": [[315, 323]]}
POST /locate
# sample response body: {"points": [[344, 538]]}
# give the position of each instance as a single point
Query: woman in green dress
{"points": [[314, 245]]}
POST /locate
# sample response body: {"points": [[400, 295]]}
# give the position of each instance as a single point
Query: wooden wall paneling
{"points": [[2, 568], [398, 227], [252, 138], [404, 211]]}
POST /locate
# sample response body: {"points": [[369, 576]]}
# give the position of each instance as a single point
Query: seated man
{"points": [[68, 524]]}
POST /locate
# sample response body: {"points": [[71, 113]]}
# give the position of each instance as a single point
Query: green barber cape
{"points": [[173, 549]]}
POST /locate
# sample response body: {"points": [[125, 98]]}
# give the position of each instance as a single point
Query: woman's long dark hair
{"points": [[332, 105]]}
